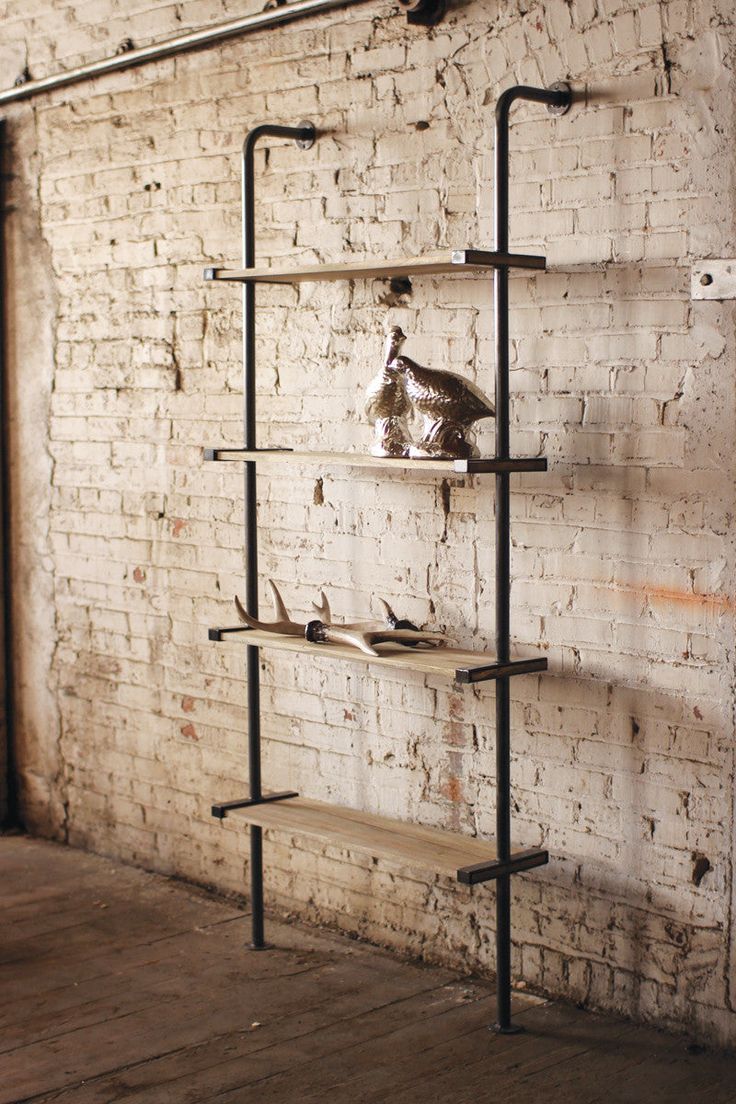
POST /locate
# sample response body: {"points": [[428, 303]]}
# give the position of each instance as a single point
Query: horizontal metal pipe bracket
{"points": [[224, 807], [500, 670], [491, 464], [220, 633], [214, 453], [501, 868]]}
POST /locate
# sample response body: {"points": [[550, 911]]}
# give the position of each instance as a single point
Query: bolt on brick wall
{"points": [[124, 363]]}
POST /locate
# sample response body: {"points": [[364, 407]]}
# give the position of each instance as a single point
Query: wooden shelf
{"points": [[453, 663], [451, 262], [370, 834], [361, 460], [466, 858]]}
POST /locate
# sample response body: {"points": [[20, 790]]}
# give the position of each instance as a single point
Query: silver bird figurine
{"points": [[387, 404], [448, 405]]}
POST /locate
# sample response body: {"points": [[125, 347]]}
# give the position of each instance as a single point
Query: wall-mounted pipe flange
{"points": [[308, 136], [565, 99], [713, 279], [424, 12]]}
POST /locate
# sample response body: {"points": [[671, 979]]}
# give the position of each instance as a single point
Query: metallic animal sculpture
{"points": [[362, 634], [388, 405], [447, 404]]}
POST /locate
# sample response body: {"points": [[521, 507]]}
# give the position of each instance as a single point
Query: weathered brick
{"points": [[621, 563]]}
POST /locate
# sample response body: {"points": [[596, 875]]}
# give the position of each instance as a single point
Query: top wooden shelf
{"points": [[453, 262], [329, 460]]}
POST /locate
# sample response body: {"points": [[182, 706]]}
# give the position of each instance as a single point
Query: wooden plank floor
{"points": [[120, 987]]}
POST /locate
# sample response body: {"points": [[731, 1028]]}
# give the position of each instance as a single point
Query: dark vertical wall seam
{"points": [[9, 812]]}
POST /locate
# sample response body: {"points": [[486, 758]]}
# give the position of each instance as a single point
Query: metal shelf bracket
{"points": [[222, 808]]}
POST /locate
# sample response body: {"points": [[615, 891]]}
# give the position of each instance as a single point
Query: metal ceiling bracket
{"points": [[713, 280]]}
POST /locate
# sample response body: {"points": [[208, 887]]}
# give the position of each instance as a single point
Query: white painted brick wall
{"points": [[623, 557]]}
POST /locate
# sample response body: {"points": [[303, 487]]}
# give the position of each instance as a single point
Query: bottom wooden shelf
{"points": [[466, 858]]}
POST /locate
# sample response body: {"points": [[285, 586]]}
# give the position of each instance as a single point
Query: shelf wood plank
{"points": [[454, 663], [453, 262], [379, 837], [380, 463]]}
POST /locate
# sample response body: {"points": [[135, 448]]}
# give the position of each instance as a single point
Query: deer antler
{"points": [[282, 624], [319, 633], [388, 614], [390, 619], [323, 609], [359, 634]]}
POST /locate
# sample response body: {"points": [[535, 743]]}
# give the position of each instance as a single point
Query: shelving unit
{"points": [[467, 859]]}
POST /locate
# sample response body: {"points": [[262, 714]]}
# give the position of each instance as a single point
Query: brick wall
{"points": [[124, 363]]}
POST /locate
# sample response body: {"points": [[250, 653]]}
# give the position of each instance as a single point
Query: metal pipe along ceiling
{"points": [[194, 40]]}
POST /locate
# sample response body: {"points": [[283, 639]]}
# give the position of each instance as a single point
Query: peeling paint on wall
{"points": [[624, 555]]}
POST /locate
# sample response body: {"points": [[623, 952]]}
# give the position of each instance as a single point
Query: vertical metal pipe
{"points": [[558, 99], [250, 490], [503, 574], [304, 135]]}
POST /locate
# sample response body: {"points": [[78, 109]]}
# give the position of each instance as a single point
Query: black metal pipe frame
{"points": [[304, 135], [558, 99]]}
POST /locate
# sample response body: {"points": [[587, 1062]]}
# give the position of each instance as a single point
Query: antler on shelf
{"points": [[283, 622], [388, 621], [388, 614], [323, 609], [359, 634], [365, 639]]}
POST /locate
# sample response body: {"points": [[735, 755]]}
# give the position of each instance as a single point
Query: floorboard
{"points": [[122, 987]]}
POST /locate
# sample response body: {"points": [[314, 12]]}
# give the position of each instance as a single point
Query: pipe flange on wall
{"points": [[308, 136], [713, 279], [565, 103], [424, 12]]}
